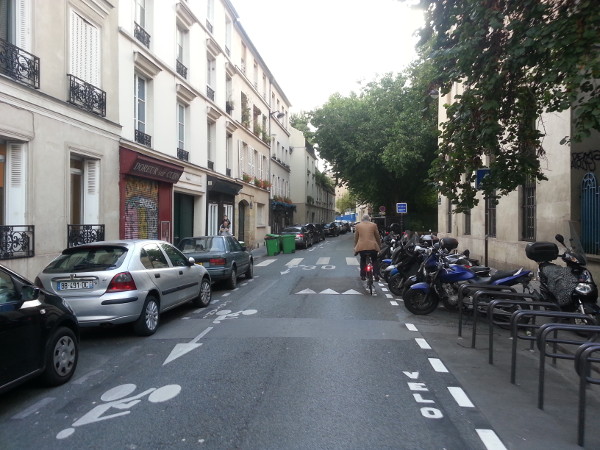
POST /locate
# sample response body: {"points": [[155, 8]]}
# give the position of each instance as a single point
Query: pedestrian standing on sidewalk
{"points": [[366, 243]]}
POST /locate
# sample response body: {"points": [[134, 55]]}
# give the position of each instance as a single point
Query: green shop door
{"points": [[183, 220]]}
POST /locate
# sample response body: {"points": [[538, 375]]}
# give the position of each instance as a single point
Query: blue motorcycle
{"points": [[437, 280]]}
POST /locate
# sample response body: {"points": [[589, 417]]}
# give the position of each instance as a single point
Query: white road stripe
{"points": [[411, 327], [490, 439], [422, 343], [352, 261], [294, 262], [460, 397], [389, 296], [323, 261], [33, 408], [394, 303], [264, 263], [437, 365], [201, 335]]}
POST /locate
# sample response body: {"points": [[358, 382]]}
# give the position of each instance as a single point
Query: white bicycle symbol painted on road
{"points": [[228, 314], [115, 399]]}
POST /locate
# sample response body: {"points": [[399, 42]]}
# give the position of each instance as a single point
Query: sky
{"points": [[315, 48]]}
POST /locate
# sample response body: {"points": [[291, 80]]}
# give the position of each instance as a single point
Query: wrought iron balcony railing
{"points": [[19, 65], [211, 165], [143, 138], [84, 234], [210, 93], [17, 241], [86, 96], [183, 155], [181, 69], [141, 35]]}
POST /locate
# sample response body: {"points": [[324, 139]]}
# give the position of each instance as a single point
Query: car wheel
{"points": [[147, 323], [232, 280], [205, 295], [250, 272], [61, 357]]}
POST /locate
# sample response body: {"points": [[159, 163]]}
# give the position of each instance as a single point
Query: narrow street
{"points": [[300, 357]]}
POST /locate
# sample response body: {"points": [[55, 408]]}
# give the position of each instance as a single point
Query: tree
{"points": [[515, 59], [346, 202], [381, 141]]}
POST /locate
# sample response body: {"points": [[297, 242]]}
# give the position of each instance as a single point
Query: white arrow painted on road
{"points": [[351, 292], [329, 291], [182, 349], [306, 291]]}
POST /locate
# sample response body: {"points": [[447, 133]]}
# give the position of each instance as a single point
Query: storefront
{"points": [[221, 201], [146, 196]]}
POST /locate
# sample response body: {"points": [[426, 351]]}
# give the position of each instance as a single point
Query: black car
{"points": [[317, 232], [331, 229], [302, 236], [39, 334], [224, 257]]}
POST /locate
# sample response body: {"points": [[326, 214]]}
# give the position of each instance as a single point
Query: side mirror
{"points": [[560, 238], [29, 292], [191, 261]]}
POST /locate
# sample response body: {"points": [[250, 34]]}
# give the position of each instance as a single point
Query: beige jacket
{"points": [[366, 237]]}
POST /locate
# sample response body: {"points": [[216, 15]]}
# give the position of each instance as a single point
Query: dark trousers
{"points": [[363, 262]]}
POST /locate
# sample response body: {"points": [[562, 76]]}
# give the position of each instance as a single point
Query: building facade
{"points": [[568, 202], [312, 192]]}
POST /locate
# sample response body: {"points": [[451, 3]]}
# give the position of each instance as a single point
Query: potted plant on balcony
{"points": [[246, 178]]}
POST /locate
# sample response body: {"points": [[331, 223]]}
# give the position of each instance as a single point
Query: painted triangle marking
{"points": [[180, 350], [306, 291], [351, 292], [328, 291]]}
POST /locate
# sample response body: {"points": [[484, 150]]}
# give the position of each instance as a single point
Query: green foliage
{"points": [[381, 141], [515, 59], [346, 202]]}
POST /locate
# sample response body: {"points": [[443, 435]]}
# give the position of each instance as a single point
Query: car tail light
{"points": [[121, 282], [300, 235], [217, 261]]}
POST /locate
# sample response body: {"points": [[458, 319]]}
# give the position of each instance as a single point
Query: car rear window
{"points": [[291, 230], [203, 244], [88, 259]]}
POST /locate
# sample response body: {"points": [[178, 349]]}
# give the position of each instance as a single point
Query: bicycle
{"points": [[369, 274]]}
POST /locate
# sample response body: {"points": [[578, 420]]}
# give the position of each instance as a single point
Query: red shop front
{"points": [[146, 196]]}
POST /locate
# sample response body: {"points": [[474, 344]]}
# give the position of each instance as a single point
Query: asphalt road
{"points": [[300, 357]]}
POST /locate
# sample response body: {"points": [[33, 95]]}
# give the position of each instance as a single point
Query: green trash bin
{"points": [[272, 244], [288, 243]]}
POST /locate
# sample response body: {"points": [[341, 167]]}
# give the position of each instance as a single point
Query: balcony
{"points": [[141, 35], [19, 65], [211, 165], [143, 138], [210, 93], [86, 96], [84, 234], [183, 155], [181, 69], [16, 241]]}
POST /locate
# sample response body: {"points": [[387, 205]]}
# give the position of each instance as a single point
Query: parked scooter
{"points": [[441, 280], [571, 287]]}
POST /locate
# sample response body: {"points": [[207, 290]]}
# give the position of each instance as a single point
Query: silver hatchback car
{"points": [[114, 282]]}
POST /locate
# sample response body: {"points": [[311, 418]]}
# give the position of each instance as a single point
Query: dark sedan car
{"points": [[224, 257], [316, 231], [302, 235], [39, 334], [331, 229]]}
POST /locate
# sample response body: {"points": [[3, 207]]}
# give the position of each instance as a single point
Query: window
{"points": [[229, 153], [140, 104], [467, 217], [153, 258], [85, 58], [13, 176], [229, 213], [210, 76], [180, 50], [213, 219], [85, 191], [140, 13], [528, 209], [177, 259], [210, 13], [15, 22], [210, 143], [181, 109], [490, 215], [260, 214], [228, 33]]}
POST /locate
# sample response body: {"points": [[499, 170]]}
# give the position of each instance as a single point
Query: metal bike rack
{"points": [[505, 302], [583, 362], [532, 327], [543, 339], [466, 288]]}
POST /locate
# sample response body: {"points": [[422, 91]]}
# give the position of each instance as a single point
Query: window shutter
{"points": [[85, 50], [23, 20], [91, 193], [16, 192]]}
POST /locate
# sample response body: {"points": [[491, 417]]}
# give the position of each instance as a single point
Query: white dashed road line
{"points": [[460, 397], [490, 439], [422, 343]]}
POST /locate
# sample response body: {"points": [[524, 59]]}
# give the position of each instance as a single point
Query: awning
{"points": [[215, 184]]}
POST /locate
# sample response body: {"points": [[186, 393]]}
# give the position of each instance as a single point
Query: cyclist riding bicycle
{"points": [[366, 243]]}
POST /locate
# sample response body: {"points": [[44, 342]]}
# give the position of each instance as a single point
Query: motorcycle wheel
{"points": [[382, 272], [450, 296], [590, 321], [502, 316], [420, 303], [395, 283]]}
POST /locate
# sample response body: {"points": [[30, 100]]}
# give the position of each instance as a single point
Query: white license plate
{"points": [[67, 285]]}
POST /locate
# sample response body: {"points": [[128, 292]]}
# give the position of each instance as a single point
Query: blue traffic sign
{"points": [[401, 208]]}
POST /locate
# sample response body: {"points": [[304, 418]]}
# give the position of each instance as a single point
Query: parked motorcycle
{"points": [[571, 287], [405, 261], [440, 280]]}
